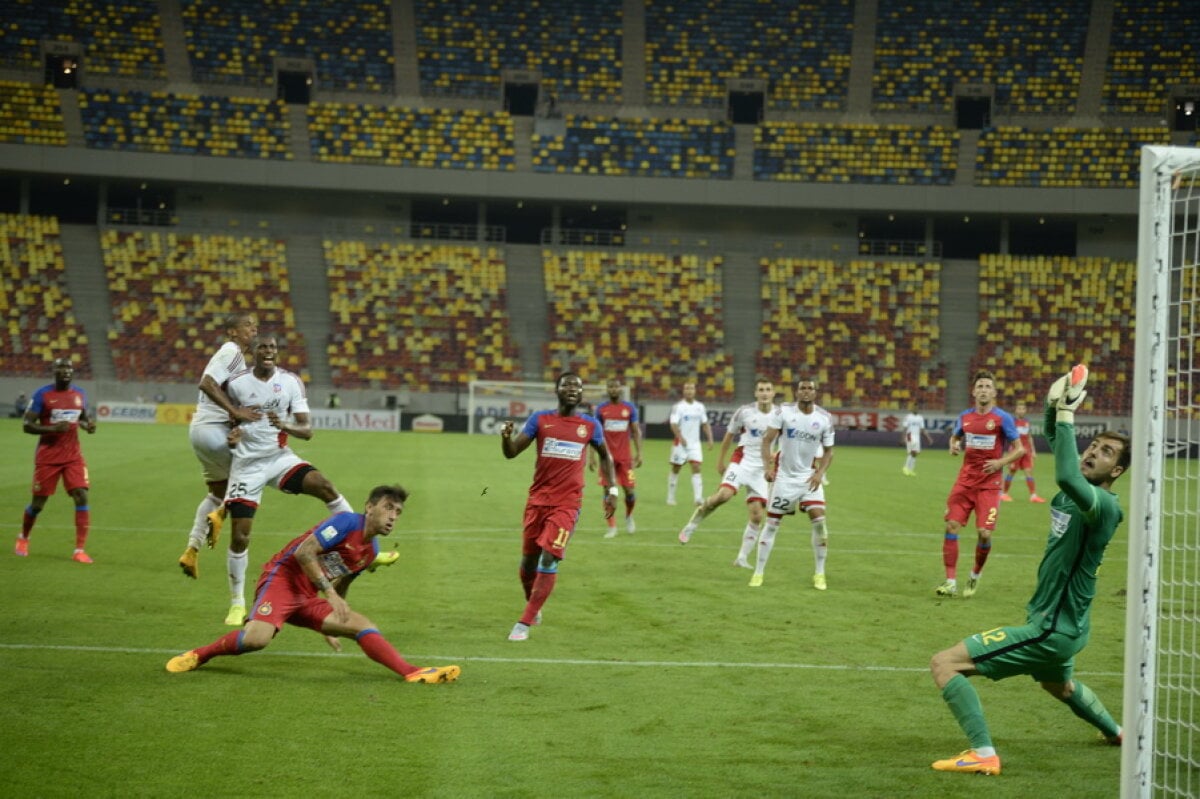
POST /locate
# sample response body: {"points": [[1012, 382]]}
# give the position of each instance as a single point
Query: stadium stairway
{"points": [[959, 311], [743, 156], [968, 149], [310, 300], [527, 312], [742, 306], [633, 52], [404, 47], [299, 141], [523, 143], [88, 287], [1095, 59], [68, 99], [862, 59], [175, 54]]}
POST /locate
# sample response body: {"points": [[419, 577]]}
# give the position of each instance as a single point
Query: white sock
{"points": [[339, 505], [237, 576], [749, 539], [910, 463], [820, 540], [200, 523], [765, 543], [698, 487], [672, 481]]}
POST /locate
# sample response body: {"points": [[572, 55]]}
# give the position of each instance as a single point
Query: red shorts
{"points": [[984, 502], [45, 477], [625, 478], [1024, 462], [277, 600], [549, 528]]}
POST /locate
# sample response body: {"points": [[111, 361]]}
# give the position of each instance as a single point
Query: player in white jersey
{"points": [[688, 418], [261, 458], [801, 428], [913, 428], [210, 424], [747, 428]]}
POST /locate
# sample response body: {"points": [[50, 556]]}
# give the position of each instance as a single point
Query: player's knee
{"points": [[547, 562], [1062, 691], [256, 637]]}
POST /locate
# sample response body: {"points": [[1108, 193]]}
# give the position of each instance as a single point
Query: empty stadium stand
{"points": [[30, 115], [421, 317], [674, 148], [1040, 314], [653, 318], [38, 321], [119, 38], [1064, 157], [855, 153], [867, 331], [171, 293]]}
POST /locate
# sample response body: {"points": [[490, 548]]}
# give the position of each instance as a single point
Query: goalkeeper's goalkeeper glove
{"points": [[1072, 395]]}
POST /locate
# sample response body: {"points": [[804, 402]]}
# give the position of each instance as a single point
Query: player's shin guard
{"points": [[698, 488], [339, 505], [766, 543], [199, 529], [964, 703], [950, 555], [377, 648], [228, 644], [28, 519], [83, 522], [1085, 704], [820, 544], [982, 550], [749, 539], [543, 586], [237, 575]]}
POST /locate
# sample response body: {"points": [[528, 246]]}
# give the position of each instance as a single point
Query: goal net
{"points": [[490, 402], [1161, 751]]}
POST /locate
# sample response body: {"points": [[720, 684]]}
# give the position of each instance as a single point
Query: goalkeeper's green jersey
{"points": [[1083, 519]]}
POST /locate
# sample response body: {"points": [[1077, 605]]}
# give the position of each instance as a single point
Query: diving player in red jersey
{"points": [[327, 558], [619, 419], [56, 413], [556, 495], [988, 439]]}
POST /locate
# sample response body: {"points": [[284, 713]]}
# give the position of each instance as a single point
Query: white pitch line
{"points": [[674, 664]]}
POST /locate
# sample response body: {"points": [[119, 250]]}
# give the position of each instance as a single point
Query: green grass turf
{"points": [[658, 671]]}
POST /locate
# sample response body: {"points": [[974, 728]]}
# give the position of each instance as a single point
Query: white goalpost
{"points": [[490, 402], [1161, 750]]}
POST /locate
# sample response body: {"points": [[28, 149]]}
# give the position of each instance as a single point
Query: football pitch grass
{"points": [[657, 672]]}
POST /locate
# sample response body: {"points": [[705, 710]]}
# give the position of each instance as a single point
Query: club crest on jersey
{"points": [[991, 424], [581, 431], [276, 387], [264, 609]]}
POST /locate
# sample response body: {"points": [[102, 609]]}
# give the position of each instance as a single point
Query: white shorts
{"points": [[215, 456], [791, 493], [687, 451], [249, 476], [913, 442], [739, 474]]}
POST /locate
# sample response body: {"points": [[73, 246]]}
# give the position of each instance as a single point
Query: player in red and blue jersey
{"points": [[325, 559], [562, 437], [619, 420], [987, 438], [55, 415]]}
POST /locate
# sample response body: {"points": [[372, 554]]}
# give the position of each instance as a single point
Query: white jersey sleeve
{"points": [[224, 364]]}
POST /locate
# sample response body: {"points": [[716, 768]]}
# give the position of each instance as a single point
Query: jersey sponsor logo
{"points": [[327, 535], [1059, 521], [333, 565], [264, 609], [616, 425], [979, 440], [566, 450], [802, 435], [64, 415]]}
